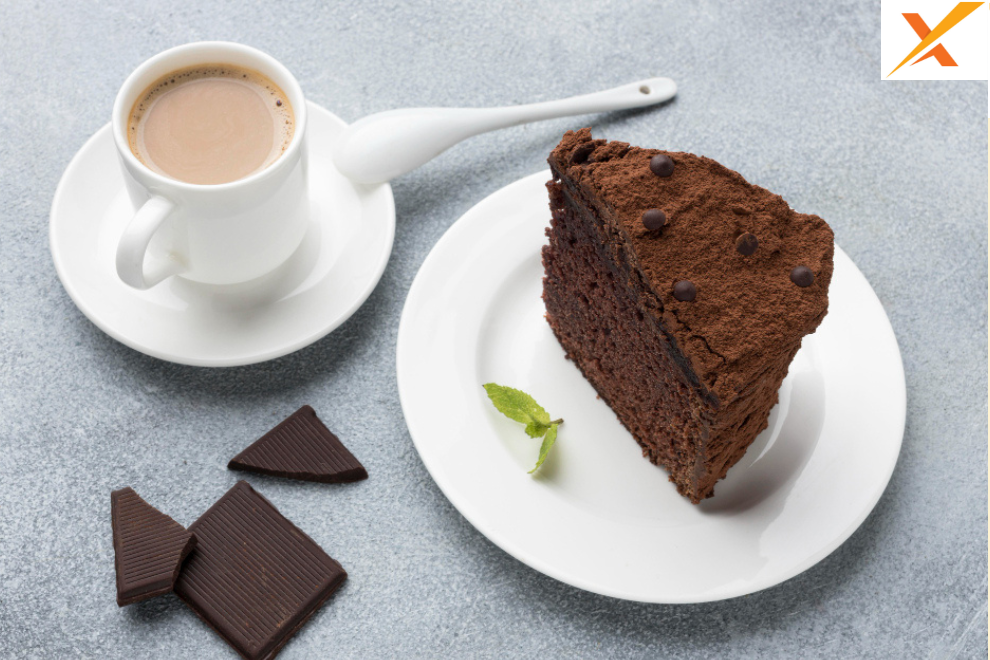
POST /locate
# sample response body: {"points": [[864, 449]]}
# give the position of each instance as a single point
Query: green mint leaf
{"points": [[519, 406], [548, 442]]}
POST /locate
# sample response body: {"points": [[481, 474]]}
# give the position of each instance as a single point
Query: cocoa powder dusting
{"points": [[746, 307]]}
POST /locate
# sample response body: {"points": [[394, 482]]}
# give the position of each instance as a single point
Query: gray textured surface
{"points": [[786, 92]]}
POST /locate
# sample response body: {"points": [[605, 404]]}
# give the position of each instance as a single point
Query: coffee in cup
{"points": [[210, 124], [199, 214]]}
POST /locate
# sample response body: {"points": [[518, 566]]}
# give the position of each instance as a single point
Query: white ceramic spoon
{"points": [[388, 144]]}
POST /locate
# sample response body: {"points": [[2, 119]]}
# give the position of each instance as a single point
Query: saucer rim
{"points": [[105, 132]]}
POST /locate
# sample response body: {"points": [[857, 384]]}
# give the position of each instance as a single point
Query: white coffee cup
{"points": [[216, 234]]}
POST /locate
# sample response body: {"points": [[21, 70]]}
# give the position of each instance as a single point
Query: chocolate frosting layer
{"points": [[746, 306]]}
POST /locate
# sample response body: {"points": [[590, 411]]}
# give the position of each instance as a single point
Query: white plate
{"points": [[599, 516], [334, 271]]}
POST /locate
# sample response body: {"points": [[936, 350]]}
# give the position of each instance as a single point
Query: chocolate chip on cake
{"points": [[747, 244], [654, 219], [802, 276], [662, 165], [685, 291]]}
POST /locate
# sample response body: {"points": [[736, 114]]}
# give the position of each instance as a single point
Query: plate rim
{"points": [[236, 361], [513, 548]]}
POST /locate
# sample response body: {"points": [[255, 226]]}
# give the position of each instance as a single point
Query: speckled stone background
{"points": [[786, 92]]}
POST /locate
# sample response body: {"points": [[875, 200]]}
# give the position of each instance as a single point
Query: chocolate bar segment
{"points": [[301, 447], [255, 578], [148, 547]]}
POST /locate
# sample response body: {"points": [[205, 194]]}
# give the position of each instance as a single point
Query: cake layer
{"points": [[596, 318]]}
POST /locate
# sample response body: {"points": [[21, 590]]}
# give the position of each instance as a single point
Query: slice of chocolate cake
{"points": [[681, 292]]}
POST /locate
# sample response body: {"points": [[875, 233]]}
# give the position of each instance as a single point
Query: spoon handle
{"points": [[388, 144]]}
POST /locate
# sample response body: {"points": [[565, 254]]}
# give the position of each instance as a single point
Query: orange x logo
{"points": [[939, 52], [929, 37]]}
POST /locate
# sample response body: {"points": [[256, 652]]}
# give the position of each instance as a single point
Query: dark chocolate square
{"points": [[255, 577]]}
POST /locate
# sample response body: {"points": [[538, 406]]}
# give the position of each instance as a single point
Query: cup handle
{"points": [[134, 244]]}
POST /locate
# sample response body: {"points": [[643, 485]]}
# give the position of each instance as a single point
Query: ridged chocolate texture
{"points": [[692, 378], [255, 578], [148, 546], [301, 447]]}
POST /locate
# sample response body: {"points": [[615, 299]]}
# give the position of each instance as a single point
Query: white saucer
{"points": [[599, 516], [330, 276]]}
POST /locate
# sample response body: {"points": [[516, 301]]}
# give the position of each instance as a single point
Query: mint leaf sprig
{"points": [[521, 407]]}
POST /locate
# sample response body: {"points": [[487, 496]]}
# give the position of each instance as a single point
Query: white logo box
{"points": [[966, 42]]}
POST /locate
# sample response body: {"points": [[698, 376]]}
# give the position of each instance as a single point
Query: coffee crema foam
{"points": [[210, 124]]}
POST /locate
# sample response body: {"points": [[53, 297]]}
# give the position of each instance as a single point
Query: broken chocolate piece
{"points": [[148, 547], [255, 578], [301, 447]]}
